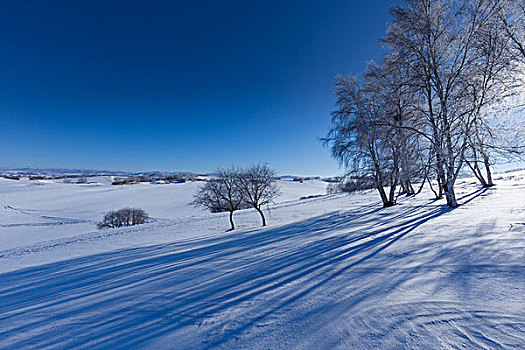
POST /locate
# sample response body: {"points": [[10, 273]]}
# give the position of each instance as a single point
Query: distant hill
{"points": [[77, 171], [51, 172], [59, 171]]}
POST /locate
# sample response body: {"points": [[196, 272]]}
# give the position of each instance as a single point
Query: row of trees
{"points": [[239, 188], [444, 97], [155, 178]]}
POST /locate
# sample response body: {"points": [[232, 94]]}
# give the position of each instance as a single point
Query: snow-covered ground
{"points": [[36, 211], [329, 272]]}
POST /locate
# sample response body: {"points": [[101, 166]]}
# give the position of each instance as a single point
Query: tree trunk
{"points": [[379, 183], [262, 216], [436, 194], [425, 178], [391, 200], [446, 185], [422, 185], [384, 198], [394, 179], [409, 189], [231, 221], [440, 189], [477, 172], [486, 161], [388, 204], [450, 196], [402, 190], [391, 197], [442, 181]]}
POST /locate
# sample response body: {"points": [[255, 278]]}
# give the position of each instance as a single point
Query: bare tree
{"points": [[221, 193], [439, 40], [397, 99], [361, 140], [493, 80], [511, 16], [258, 187], [430, 107]]}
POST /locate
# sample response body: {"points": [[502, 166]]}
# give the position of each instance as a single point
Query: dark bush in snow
{"points": [[350, 185], [123, 217], [11, 177]]}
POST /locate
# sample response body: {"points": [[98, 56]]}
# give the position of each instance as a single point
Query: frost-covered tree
{"points": [[221, 193], [258, 187], [376, 129], [491, 86], [511, 17], [439, 39], [361, 139], [451, 71], [399, 115]]}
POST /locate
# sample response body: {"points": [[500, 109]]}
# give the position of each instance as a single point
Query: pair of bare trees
{"points": [[429, 107], [234, 189]]}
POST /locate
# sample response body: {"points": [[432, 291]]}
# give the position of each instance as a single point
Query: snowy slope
{"points": [[330, 272], [36, 211]]}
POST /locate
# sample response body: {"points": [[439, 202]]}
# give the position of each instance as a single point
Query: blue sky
{"points": [[179, 86]]}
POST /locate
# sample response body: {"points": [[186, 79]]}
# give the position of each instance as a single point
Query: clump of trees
{"points": [[10, 177], [239, 188], [155, 178], [123, 217], [434, 104], [351, 185]]}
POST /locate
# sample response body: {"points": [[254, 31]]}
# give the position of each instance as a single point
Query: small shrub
{"points": [[123, 217], [351, 185], [310, 197], [333, 188]]}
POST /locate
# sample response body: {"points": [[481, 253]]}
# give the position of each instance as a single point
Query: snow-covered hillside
{"points": [[329, 272], [36, 211]]}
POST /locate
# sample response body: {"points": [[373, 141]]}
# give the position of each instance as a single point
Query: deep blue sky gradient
{"points": [[187, 85]]}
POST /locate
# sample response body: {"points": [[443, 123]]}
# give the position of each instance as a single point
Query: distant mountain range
{"points": [[60, 172], [73, 171]]}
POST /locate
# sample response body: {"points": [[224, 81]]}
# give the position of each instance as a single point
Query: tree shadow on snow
{"points": [[129, 297]]}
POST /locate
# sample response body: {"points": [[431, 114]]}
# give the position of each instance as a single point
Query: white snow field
{"points": [[331, 272]]}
